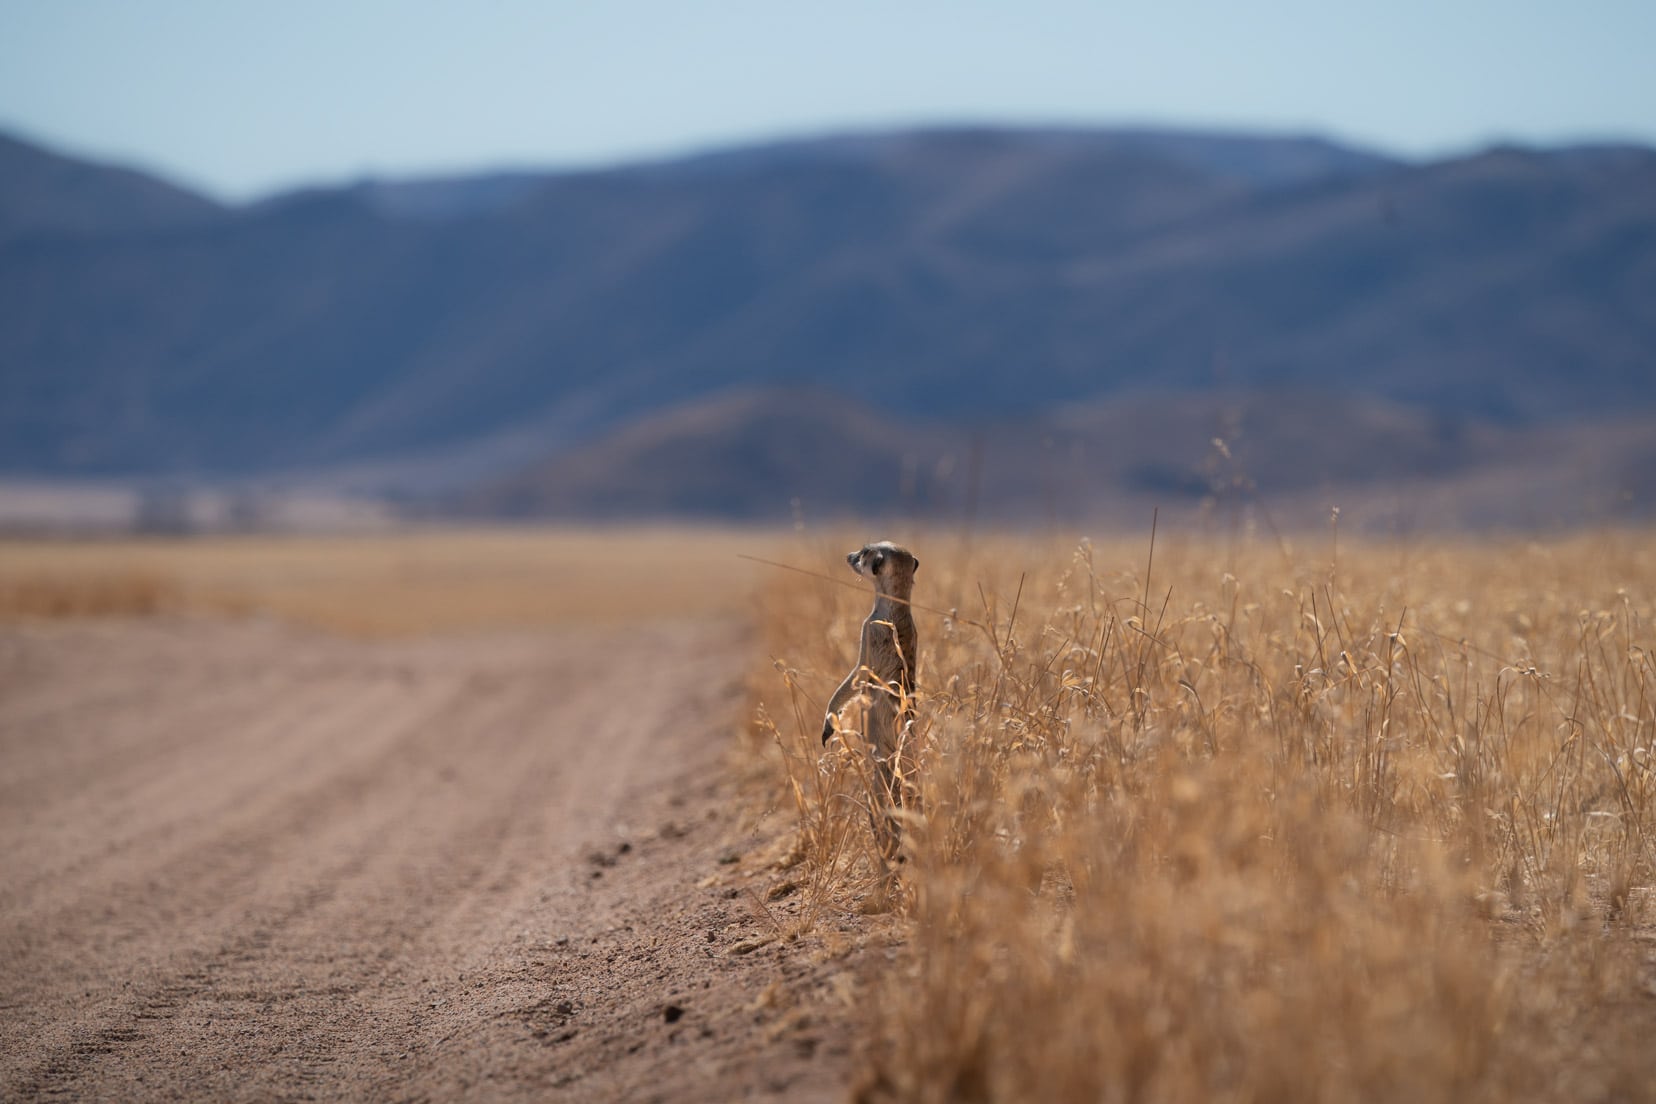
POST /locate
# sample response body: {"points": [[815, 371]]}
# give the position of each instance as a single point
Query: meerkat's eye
{"points": [[876, 561]]}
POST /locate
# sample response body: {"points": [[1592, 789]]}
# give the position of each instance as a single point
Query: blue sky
{"points": [[242, 98]]}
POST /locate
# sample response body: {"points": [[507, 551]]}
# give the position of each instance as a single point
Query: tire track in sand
{"points": [[263, 920]]}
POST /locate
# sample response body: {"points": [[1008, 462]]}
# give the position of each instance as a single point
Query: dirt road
{"points": [[244, 862]]}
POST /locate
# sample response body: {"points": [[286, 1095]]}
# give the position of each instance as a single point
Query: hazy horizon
{"points": [[643, 157]]}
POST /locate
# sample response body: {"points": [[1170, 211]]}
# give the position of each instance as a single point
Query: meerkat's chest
{"points": [[888, 641]]}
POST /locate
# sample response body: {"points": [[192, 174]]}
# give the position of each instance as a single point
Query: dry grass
{"points": [[390, 585], [1251, 822], [1245, 823]]}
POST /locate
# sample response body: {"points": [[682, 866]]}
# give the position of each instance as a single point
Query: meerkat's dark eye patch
{"points": [[876, 561]]}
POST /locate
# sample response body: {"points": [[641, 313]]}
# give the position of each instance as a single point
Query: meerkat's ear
{"points": [[916, 560]]}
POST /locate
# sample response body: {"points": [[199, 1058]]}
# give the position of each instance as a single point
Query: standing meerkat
{"points": [[883, 679]]}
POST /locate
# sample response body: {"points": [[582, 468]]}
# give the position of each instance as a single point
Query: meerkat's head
{"points": [[890, 566]]}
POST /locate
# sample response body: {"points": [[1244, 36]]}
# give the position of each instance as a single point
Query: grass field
{"points": [[1197, 818], [435, 581], [1229, 819]]}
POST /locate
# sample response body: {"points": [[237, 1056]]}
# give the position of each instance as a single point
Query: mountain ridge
{"points": [[939, 274], [47, 193], [775, 455]]}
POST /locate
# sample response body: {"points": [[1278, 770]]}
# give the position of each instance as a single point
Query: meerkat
{"points": [[884, 677]]}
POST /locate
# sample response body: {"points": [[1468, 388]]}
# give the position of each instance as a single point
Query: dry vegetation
{"points": [[1241, 821], [1248, 821], [435, 581]]}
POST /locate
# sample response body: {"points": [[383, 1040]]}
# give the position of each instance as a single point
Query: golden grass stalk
{"points": [[1250, 824]]}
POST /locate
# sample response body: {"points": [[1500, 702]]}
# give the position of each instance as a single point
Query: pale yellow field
{"points": [[418, 582], [1253, 821], [1220, 818]]}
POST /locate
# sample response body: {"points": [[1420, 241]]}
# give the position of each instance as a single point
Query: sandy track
{"points": [[246, 863]]}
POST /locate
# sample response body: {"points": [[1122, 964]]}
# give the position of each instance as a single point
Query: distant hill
{"points": [[774, 455], [479, 330], [744, 455], [43, 193]]}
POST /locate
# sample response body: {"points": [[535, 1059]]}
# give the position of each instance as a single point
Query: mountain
{"points": [[771, 455], [746, 454], [441, 198], [43, 193], [499, 326]]}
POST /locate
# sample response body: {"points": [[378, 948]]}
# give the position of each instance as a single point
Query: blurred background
{"points": [[321, 266]]}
